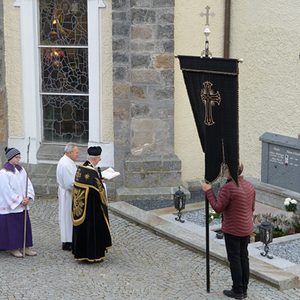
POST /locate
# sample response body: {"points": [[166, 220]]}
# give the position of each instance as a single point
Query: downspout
{"points": [[227, 29]]}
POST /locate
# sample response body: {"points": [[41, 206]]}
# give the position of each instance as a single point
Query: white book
{"points": [[109, 173]]}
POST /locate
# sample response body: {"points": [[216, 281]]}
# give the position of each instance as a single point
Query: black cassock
{"points": [[91, 230]]}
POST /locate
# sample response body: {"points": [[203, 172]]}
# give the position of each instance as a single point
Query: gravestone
{"points": [[280, 161]]}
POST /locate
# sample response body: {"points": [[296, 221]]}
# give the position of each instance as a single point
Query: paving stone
{"points": [[141, 265]]}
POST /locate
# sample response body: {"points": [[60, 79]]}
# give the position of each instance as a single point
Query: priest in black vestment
{"points": [[91, 230]]}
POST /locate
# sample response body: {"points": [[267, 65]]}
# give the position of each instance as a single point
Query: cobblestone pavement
{"points": [[141, 265]]}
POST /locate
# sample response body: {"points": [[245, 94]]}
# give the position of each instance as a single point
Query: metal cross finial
{"points": [[207, 14]]}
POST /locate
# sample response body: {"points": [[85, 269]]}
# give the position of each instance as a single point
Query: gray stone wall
{"points": [[3, 99], [143, 60]]}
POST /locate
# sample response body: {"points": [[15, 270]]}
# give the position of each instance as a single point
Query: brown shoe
{"points": [[29, 252], [16, 253]]}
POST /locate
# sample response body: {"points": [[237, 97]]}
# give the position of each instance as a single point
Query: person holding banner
{"points": [[13, 200], [237, 204]]}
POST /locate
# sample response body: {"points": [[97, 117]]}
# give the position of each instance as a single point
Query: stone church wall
{"points": [[143, 84]]}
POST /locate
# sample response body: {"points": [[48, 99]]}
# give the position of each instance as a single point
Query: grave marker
{"points": [[280, 161]]}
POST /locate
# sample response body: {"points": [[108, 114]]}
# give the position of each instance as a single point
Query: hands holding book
{"points": [[109, 174]]}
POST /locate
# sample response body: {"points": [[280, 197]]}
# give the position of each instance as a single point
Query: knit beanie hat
{"points": [[11, 153]]}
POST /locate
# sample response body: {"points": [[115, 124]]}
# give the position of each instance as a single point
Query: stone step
{"points": [[273, 195], [43, 178]]}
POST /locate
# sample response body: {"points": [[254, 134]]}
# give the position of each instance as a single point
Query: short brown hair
{"points": [[240, 168]]}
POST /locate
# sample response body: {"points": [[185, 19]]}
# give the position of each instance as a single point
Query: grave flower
{"points": [[281, 222], [213, 215], [290, 205], [291, 230]]}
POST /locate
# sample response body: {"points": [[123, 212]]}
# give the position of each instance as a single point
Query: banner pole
{"points": [[207, 245], [207, 53], [26, 192]]}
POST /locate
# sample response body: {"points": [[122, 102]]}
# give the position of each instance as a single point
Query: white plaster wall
{"points": [[266, 35], [107, 77], [13, 68]]}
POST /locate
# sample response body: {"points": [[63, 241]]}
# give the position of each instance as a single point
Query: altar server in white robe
{"points": [[16, 191], [65, 176]]}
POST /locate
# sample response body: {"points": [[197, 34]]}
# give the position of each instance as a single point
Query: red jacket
{"points": [[237, 205]]}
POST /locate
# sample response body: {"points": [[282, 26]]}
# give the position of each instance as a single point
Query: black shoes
{"points": [[67, 246], [232, 294]]}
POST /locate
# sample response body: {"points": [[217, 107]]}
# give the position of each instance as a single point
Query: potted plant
{"points": [[290, 206]]}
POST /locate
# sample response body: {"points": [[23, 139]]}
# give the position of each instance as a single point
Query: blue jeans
{"points": [[237, 253]]}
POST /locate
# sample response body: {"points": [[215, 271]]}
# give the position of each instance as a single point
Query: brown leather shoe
{"points": [[29, 252], [16, 253]]}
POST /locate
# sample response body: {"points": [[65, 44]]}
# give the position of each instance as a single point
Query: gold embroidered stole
{"points": [[86, 178]]}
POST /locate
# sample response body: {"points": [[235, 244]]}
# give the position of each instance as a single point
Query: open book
{"points": [[109, 173]]}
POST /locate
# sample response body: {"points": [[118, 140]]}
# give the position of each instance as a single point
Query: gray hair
{"points": [[70, 147], [92, 156]]}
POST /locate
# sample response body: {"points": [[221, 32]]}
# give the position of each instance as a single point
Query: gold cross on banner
{"points": [[207, 14], [209, 98]]}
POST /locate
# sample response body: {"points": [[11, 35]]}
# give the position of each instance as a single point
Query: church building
{"points": [[105, 72]]}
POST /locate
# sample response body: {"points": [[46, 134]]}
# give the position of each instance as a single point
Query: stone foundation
{"points": [[151, 177]]}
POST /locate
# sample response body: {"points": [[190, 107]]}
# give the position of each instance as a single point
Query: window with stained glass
{"points": [[64, 86]]}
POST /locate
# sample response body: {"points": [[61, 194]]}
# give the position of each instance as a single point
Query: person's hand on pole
{"points": [[206, 186], [25, 201]]}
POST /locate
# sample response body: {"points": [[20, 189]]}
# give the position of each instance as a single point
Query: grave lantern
{"points": [[179, 203], [266, 236]]}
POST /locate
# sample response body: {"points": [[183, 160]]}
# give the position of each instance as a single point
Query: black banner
{"points": [[212, 86]]}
